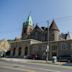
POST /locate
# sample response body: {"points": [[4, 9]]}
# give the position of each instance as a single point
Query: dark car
{"points": [[65, 58]]}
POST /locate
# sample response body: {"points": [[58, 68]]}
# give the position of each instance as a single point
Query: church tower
{"points": [[54, 32], [27, 27]]}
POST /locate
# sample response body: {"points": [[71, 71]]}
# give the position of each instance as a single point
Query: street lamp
{"points": [[47, 49]]}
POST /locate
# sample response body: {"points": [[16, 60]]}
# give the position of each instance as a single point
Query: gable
{"points": [[37, 28]]}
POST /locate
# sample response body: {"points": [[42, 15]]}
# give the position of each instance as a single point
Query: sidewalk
{"points": [[31, 61]]}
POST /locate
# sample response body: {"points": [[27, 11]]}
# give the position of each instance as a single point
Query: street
{"points": [[9, 66]]}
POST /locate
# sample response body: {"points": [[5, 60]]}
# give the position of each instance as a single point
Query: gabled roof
{"points": [[53, 26], [38, 28], [43, 28]]}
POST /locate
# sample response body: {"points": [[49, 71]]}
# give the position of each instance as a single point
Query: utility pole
{"points": [[47, 49]]}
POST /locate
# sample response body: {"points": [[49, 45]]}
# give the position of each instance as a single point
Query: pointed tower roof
{"points": [[53, 26], [29, 20], [27, 26]]}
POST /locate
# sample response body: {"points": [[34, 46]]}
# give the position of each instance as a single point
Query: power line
{"points": [[62, 19], [66, 17]]}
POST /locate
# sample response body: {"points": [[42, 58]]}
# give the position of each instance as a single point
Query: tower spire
{"points": [[53, 26], [27, 27], [29, 20]]}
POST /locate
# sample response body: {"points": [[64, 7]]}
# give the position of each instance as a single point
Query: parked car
{"points": [[65, 58]]}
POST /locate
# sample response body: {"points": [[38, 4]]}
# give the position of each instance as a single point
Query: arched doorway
{"points": [[26, 51], [19, 51], [14, 51]]}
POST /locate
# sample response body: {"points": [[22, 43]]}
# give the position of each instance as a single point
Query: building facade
{"points": [[34, 41]]}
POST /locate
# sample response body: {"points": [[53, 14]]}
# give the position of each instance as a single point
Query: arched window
{"points": [[26, 50], [14, 51], [19, 51]]}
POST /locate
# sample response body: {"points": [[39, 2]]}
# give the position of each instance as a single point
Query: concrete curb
{"points": [[31, 61], [15, 60]]}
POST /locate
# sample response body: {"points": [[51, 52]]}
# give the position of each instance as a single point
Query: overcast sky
{"points": [[14, 12]]}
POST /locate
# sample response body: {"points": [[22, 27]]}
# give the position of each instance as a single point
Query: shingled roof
{"points": [[53, 26]]}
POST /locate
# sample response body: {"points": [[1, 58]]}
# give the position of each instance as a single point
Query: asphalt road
{"points": [[8, 66]]}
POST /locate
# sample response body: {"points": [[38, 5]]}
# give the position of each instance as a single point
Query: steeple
{"points": [[27, 27], [53, 26], [29, 20]]}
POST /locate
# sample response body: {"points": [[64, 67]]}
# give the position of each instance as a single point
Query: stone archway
{"points": [[26, 51], [19, 51], [14, 51]]}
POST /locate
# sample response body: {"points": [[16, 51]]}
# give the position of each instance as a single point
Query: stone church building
{"points": [[34, 41]]}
